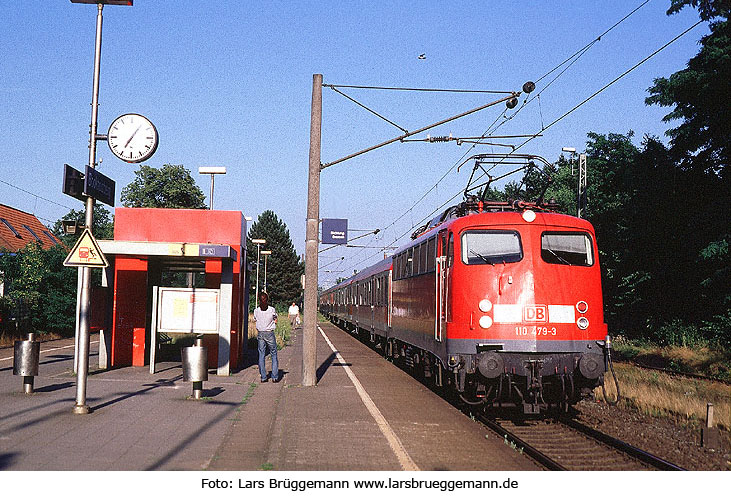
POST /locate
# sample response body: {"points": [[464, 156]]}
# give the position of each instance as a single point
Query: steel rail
{"points": [[528, 449], [631, 450], [674, 373]]}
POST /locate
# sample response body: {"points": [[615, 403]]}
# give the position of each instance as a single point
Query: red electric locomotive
{"points": [[500, 300]]}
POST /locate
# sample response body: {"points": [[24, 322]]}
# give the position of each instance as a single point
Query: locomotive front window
{"points": [[491, 247], [571, 249]]}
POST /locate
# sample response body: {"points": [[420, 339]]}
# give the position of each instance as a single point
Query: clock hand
{"points": [[133, 135]]}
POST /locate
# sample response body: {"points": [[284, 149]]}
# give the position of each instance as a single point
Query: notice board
{"points": [[188, 310]]}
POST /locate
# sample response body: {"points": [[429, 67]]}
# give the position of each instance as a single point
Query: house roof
{"points": [[18, 229]]}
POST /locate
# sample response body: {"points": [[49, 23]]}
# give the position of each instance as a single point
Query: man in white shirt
{"points": [[266, 322], [294, 315]]}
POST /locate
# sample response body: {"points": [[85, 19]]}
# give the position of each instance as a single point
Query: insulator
{"points": [[512, 103], [529, 86], [433, 139]]}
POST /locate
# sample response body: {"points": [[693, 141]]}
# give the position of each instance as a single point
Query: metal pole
{"points": [[83, 359], [411, 133], [581, 193], [309, 345], [265, 271], [211, 202], [258, 247]]}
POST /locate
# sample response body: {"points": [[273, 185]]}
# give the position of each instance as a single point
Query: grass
{"points": [[8, 339], [659, 394], [715, 363]]}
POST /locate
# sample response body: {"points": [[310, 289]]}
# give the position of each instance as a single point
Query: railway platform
{"points": [[364, 414]]}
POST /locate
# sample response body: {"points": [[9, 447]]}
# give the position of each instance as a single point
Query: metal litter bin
{"points": [[195, 366], [26, 355]]}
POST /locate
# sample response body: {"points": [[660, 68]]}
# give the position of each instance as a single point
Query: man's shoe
{"points": [[264, 380], [277, 379]]}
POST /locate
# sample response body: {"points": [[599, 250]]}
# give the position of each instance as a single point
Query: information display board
{"points": [[188, 310]]}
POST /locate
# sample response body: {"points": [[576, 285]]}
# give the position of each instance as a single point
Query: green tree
{"points": [[102, 226], [171, 186], [699, 94], [41, 292], [284, 267]]}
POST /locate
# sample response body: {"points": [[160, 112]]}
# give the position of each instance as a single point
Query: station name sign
{"points": [[335, 231], [92, 183], [99, 186]]}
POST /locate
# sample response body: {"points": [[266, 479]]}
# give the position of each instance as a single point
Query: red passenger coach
{"points": [[501, 301]]}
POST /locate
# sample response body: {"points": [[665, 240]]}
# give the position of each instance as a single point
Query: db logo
{"points": [[535, 313]]}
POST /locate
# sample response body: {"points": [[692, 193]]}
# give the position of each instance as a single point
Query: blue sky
{"points": [[228, 83]]}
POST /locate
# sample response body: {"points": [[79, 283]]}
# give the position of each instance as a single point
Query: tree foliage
{"points": [[40, 292], [171, 186], [102, 226], [698, 95], [284, 267]]}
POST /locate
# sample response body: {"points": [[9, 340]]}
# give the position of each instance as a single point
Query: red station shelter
{"points": [[151, 248]]}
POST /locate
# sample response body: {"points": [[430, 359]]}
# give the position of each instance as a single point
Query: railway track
{"points": [[560, 444], [566, 445]]}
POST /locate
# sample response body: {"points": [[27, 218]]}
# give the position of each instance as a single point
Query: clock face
{"points": [[132, 138]]}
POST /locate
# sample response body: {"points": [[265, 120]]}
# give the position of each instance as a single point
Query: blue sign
{"points": [[335, 231], [99, 186], [222, 251]]}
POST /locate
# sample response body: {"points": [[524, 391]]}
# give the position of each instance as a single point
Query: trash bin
{"points": [[195, 366], [26, 355]]}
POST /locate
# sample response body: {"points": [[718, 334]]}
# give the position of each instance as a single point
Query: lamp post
{"points": [[265, 253], [82, 358], [259, 242], [213, 171]]}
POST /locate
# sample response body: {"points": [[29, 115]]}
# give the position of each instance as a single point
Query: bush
{"points": [[680, 334]]}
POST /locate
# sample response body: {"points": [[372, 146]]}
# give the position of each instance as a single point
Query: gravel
{"points": [[670, 439]]}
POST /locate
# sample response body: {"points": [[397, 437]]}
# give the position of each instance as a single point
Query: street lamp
{"points": [[213, 171], [259, 242], [265, 253]]}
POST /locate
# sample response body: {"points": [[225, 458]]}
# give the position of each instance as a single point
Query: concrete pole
{"points": [[82, 367], [309, 345]]}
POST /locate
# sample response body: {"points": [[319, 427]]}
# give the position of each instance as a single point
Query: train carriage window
{"points": [[417, 260], [491, 247], [569, 248], [409, 262], [431, 254], [422, 258], [450, 250]]}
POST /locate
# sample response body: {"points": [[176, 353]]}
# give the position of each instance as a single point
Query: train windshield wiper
{"points": [[558, 257], [487, 261]]}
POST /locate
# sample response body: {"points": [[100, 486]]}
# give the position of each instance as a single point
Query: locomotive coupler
{"points": [[534, 387]]}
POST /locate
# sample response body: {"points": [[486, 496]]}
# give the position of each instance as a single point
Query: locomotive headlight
{"points": [[529, 216], [582, 323], [485, 305], [582, 306], [485, 322]]}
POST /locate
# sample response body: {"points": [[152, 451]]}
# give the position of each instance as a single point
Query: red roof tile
{"points": [[27, 226]]}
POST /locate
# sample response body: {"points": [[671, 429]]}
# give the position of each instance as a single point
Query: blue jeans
{"points": [[266, 340]]}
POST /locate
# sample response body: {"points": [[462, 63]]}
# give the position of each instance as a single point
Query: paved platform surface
{"points": [[364, 414]]}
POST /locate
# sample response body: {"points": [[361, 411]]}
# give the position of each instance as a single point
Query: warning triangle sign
{"points": [[86, 252]]}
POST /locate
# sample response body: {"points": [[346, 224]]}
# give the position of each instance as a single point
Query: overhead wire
{"points": [[563, 116], [572, 59]]}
